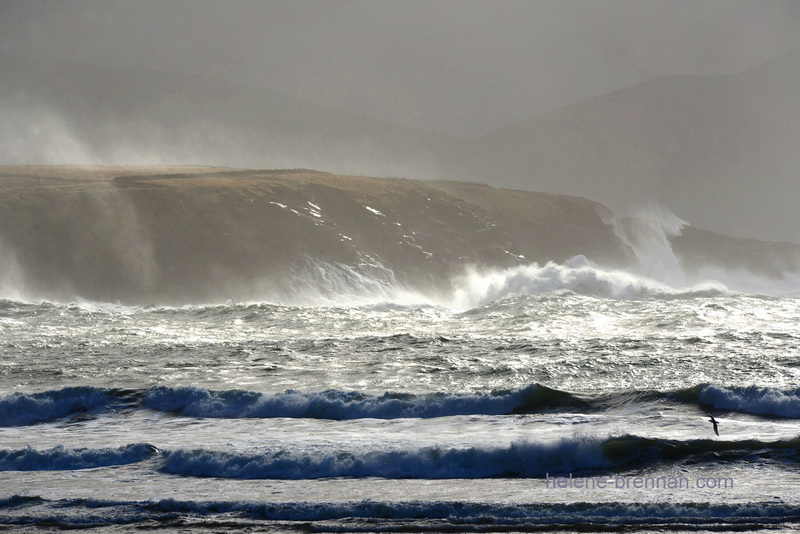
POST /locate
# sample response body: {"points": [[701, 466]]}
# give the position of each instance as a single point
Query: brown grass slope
{"points": [[192, 234], [170, 235]]}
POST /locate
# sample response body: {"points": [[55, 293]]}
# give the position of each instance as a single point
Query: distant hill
{"points": [[173, 235], [720, 151]]}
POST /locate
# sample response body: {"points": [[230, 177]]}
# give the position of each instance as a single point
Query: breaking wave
{"points": [[19, 409], [522, 459], [389, 516], [578, 275], [752, 399], [64, 459], [336, 285], [341, 405]]}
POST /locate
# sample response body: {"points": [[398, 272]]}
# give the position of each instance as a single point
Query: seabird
{"points": [[713, 422]]}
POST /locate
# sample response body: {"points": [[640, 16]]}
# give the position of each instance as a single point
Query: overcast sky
{"points": [[459, 67]]}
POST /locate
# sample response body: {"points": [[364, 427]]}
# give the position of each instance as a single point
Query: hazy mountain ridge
{"points": [[177, 235], [720, 151]]}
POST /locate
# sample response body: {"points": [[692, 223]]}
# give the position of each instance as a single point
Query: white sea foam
{"points": [[579, 275], [647, 230], [753, 399]]}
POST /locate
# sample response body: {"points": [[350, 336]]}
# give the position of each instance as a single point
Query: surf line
{"points": [[628, 482]]}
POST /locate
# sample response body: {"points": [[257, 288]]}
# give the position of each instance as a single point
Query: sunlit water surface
{"points": [[387, 417]]}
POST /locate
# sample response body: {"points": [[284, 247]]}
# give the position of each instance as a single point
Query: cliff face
{"points": [[547, 227], [187, 234], [174, 235]]}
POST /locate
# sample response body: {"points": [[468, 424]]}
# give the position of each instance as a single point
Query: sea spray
{"points": [[12, 282], [647, 231], [313, 282], [478, 287], [34, 132]]}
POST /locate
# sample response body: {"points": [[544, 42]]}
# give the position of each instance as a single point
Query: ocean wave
{"points": [[64, 459], [375, 287], [341, 405], [578, 275], [752, 399], [481, 515], [524, 459], [392, 516], [18, 409]]}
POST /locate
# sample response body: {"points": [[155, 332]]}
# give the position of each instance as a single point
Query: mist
{"points": [[684, 104]]}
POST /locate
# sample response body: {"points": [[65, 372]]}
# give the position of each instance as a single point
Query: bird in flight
{"points": [[714, 422]]}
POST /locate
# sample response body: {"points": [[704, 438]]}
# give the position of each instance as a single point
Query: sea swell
{"points": [[393, 516], [579, 454], [752, 399], [19, 409], [342, 405], [65, 459], [523, 459]]}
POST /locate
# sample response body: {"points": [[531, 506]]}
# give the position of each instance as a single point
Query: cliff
{"points": [[172, 235]]}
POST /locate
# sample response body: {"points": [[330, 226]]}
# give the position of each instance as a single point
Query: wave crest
{"points": [[752, 399], [64, 459], [524, 459], [20, 409], [578, 275], [342, 405]]}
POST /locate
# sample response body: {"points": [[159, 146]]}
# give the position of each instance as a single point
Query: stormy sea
{"points": [[564, 396]]}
